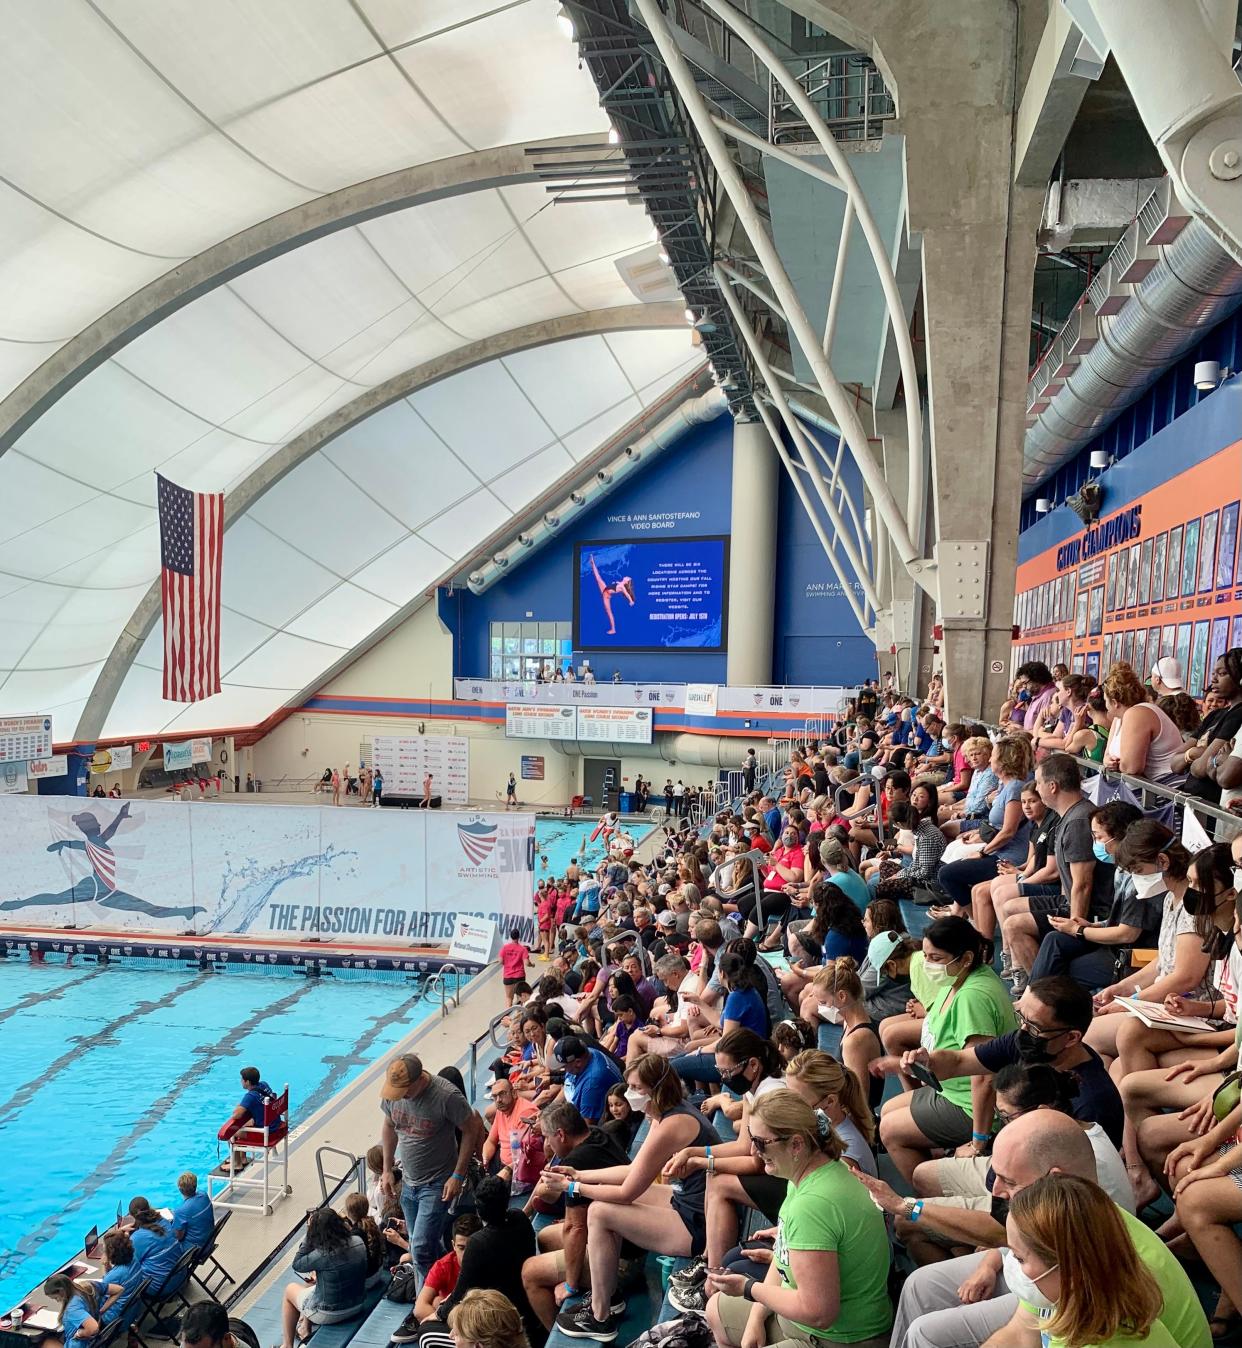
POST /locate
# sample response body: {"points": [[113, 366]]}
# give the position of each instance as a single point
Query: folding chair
{"points": [[207, 1256], [170, 1291]]}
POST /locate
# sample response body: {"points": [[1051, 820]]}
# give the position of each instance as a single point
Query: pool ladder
{"points": [[438, 983]]}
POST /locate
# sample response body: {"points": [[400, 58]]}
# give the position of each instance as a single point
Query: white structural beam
{"points": [[770, 262], [888, 282], [802, 444]]}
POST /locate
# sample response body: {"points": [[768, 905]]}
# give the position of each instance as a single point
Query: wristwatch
{"points": [[748, 1289]]}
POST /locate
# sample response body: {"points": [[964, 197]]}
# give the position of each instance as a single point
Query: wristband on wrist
{"points": [[748, 1290], [572, 1189], [570, 1291], [457, 1175], [980, 1137], [707, 1151], [916, 1211]]}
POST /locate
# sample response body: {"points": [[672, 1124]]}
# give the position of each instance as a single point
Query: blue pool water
{"points": [[560, 840], [115, 1080]]}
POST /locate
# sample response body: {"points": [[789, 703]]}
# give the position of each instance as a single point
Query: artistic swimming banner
{"points": [[162, 867]]}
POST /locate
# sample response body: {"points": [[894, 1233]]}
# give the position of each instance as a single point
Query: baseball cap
{"points": [[570, 1047], [402, 1073], [666, 919], [750, 827], [1169, 672], [881, 948], [665, 889]]}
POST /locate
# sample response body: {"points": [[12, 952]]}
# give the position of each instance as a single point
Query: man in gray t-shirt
{"points": [[423, 1118]]}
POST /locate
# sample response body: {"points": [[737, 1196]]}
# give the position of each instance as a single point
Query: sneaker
{"points": [[693, 1275], [1006, 969], [580, 1323], [1020, 979], [689, 1300], [407, 1330]]}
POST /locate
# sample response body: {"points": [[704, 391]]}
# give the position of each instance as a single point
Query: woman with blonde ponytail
{"points": [[832, 1090]]}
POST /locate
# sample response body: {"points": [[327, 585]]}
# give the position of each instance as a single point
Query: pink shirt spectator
{"points": [[1038, 709], [513, 957]]}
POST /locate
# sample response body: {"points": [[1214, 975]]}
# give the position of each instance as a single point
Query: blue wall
{"points": [[817, 637], [694, 477]]}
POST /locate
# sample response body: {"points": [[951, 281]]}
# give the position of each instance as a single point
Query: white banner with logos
{"points": [[25, 737], [405, 760], [571, 694], [796, 701], [178, 756], [391, 877], [122, 757], [474, 940], [56, 766], [200, 750], [700, 699]]}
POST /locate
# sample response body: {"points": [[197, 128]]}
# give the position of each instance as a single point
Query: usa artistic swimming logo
{"points": [[477, 840]]}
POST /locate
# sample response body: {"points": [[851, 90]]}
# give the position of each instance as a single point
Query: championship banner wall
{"points": [[571, 694], [385, 877], [406, 759]]}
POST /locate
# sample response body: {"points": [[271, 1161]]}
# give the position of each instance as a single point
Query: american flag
{"points": [[191, 538]]}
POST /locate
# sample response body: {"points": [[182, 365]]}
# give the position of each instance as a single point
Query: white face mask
{"points": [[936, 973], [1023, 1287], [1148, 886], [830, 1013], [637, 1099]]}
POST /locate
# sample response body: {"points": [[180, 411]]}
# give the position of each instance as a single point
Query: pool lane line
{"points": [[340, 1063], [25, 1094], [106, 1170], [54, 995]]}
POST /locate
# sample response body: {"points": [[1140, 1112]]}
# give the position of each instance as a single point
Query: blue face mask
{"points": [[1101, 852]]}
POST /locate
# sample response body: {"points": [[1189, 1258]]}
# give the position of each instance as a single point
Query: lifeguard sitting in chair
{"points": [[249, 1113]]}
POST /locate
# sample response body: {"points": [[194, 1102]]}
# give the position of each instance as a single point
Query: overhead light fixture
{"points": [[1042, 505], [691, 316], [564, 21], [1101, 458], [704, 324], [614, 136], [1207, 375]]}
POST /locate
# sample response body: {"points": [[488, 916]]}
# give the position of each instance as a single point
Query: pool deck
{"points": [[206, 950], [350, 1121]]}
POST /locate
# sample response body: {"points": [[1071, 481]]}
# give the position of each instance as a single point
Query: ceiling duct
{"points": [[1167, 282]]}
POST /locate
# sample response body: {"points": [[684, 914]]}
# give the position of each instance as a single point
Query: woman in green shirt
{"points": [[827, 1284], [968, 1004]]}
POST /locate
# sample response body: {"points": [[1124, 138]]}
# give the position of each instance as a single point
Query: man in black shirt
{"points": [[868, 699], [549, 1278], [1054, 1014]]}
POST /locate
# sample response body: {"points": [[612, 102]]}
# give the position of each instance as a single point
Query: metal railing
{"points": [[848, 91], [753, 860], [330, 1183], [436, 983]]}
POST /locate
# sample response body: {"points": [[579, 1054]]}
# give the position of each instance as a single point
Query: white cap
{"points": [[666, 919], [1169, 672]]}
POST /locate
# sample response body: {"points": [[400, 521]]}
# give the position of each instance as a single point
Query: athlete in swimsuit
{"points": [[624, 586]]}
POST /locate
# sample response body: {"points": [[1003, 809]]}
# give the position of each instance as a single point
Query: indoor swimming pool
{"points": [[116, 1079], [561, 841]]}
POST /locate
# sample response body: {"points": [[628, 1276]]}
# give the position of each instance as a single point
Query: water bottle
{"points": [[515, 1149]]}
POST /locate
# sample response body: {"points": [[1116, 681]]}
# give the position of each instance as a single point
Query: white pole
{"points": [[879, 255], [769, 259]]}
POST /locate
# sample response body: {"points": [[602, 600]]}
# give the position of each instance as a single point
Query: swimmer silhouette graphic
{"points": [[625, 586], [99, 885]]}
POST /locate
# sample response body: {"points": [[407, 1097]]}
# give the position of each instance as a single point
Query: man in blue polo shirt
{"points": [[589, 1072], [193, 1222]]}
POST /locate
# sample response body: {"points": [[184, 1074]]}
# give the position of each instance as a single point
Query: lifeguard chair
{"points": [[265, 1180]]}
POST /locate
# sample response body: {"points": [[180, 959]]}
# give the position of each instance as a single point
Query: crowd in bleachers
{"points": [[930, 1040]]}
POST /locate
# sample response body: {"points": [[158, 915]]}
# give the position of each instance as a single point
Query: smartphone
{"points": [[925, 1077]]}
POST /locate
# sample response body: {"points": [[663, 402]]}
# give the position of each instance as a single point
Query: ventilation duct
{"points": [[1166, 283]]}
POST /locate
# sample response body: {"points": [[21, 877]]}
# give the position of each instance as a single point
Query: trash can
{"points": [[625, 802]]}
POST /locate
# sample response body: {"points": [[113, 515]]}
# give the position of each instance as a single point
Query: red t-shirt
{"points": [[513, 957], [442, 1276]]}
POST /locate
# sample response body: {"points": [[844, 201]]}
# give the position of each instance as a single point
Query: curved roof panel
{"points": [[166, 129]]}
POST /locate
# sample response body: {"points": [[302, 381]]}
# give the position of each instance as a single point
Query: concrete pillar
{"points": [[898, 626], [752, 555], [955, 85]]}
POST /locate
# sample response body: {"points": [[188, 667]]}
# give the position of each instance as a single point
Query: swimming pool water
{"points": [[560, 840], [115, 1080]]}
